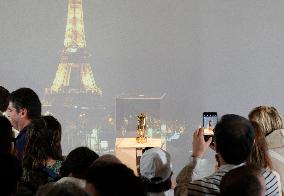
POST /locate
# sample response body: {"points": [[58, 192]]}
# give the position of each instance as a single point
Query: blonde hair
{"points": [[268, 118]]}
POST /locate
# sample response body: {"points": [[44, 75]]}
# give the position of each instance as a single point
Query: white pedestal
{"points": [[125, 149]]}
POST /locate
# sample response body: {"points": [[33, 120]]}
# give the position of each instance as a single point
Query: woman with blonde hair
{"points": [[271, 125]]}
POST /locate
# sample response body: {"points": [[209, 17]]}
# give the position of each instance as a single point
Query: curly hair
{"points": [[41, 144], [54, 126]]}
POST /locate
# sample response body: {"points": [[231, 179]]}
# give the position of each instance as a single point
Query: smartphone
{"points": [[210, 120]]}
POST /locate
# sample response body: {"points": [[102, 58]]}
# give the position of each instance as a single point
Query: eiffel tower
{"points": [[74, 95], [74, 73]]}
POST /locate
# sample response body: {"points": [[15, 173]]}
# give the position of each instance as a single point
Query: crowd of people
{"points": [[249, 158]]}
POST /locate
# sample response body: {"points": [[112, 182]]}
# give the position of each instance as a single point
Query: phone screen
{"points": [[210, 120]]}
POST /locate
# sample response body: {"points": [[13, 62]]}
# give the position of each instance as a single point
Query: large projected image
{"points": [[75, 96], [96, 65]]}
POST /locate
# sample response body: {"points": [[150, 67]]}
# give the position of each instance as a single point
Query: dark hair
{"points": [[11, 173], [4, 98], [54, 126], [28, 99], [6, 135], [77, 162], [234, 136], [106, 159], [245, 181], [58, 189], [259, 156], [115, 179], [39, 148]]}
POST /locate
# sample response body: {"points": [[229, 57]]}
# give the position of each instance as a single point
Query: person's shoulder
{"points": [[56, 166], [267, 172], [208, 185], [23, 134], [275, 139], [58, 163], [271, 179]]}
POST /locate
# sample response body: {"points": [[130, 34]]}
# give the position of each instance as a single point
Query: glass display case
{"points": [[129, 107], [138, 127]]}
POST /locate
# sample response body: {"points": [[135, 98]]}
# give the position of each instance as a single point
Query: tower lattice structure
{"points": [[74, 57]]}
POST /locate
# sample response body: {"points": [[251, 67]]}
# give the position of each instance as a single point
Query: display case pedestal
{"points": [[127, 150]]}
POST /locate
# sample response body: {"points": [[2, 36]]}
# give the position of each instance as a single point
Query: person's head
{"points": [[106, 159], [268, 118], [245, 181], [156, 170], [39, 147], [234, 137], [6, 135], [4, 99], [24, 105], [113, 179], [10, 175], [58, 189], [77, 162], [54, 127], [259, 156]]}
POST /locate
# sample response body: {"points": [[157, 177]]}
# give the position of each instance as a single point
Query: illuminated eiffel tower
{"points": [[74, 95], [74, 73]]}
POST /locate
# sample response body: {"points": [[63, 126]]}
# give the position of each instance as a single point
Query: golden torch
{"points": [[141, 128]]}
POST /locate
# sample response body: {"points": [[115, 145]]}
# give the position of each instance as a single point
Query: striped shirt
{"points": [[210, 185], [271, 183]]}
